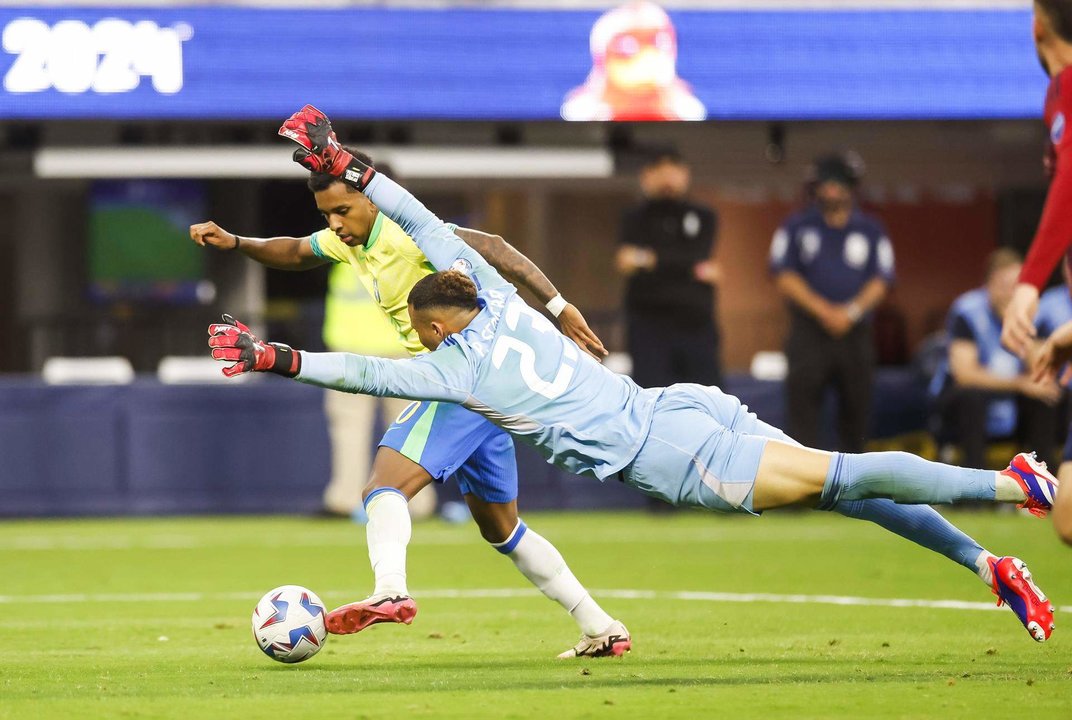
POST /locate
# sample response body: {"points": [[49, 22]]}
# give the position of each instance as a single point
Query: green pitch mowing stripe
{"points": [[161, 629]]}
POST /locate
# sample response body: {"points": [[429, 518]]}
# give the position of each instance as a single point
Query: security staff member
{"points": [[833, 264], [666, 252]]}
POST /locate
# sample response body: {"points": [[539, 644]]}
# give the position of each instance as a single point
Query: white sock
{"points": [[543, 565], [1008, 490], [388, 532], [982, 568]]}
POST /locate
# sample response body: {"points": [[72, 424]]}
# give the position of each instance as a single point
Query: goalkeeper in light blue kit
{"points": [[686, 444]]}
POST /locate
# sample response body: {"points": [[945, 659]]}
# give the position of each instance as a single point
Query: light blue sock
{"points": [[921, 524], [903, 478]]}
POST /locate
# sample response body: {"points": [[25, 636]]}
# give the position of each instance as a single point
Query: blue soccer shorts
{"points": [[703, 450], [446, 439]]}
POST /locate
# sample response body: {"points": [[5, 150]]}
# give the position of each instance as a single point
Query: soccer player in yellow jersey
{"points": [[432, 441]]}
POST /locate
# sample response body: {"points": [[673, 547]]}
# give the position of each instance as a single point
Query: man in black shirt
{"points": [[667, 243]]}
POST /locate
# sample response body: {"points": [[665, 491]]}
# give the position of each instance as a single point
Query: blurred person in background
{"points": [[667, 256], [984, 392], [353, 322], [833, 264]]}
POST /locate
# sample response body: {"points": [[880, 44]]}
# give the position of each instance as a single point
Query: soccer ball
{"points": [[288, 624]]}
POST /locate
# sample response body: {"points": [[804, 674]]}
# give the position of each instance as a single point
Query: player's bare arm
{"points": [[280, 253], [519, 270]]}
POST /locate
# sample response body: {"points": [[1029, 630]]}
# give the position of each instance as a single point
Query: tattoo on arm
{"points": [[510, 263]]}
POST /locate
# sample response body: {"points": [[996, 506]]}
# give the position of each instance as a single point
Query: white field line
{"points": [[716, 597], [333, 539]]}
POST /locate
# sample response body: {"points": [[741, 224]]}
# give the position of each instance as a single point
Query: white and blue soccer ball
{"points": [[288, 624]]}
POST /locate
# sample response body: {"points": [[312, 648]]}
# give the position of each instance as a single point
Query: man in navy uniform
{"points": [[834, 264]]}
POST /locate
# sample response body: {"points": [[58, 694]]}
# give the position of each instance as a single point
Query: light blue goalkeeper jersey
{"points": [[510, 364]]}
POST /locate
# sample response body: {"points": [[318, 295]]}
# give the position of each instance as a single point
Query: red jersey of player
{"points": [[1052, 28]]}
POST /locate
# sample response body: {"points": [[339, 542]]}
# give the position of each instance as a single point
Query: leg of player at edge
{"points": [[871, 486], [394, 480]]}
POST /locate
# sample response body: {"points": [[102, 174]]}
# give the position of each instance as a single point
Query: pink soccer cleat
{"points": [[357, 616], [1038, 484], [1014, 587], [612, 642]]}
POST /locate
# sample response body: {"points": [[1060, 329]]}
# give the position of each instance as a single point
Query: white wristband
{"points": [[854, 312], [556, 305]]}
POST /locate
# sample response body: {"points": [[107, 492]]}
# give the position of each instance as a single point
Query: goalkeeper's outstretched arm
{"points": [[445, 375]]}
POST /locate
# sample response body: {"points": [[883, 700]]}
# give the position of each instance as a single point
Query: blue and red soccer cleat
{"points": [[1014, 587], [1035, 480], [357, 616]]}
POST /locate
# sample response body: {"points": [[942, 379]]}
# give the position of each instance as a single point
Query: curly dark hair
{"points": [[1059, 13], [322, 181], [447, 289]]}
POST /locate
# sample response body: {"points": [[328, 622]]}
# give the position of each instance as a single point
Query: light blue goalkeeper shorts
{"points": [[703, 450]]}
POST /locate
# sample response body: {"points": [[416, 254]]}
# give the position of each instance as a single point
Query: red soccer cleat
{"points": [[1014, 587], [355, 617], [1037, 482]]}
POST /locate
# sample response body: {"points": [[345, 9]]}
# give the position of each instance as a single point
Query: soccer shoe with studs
{"points": [[357, 616], [1014, 587], [612, 642], [1037, 482]]}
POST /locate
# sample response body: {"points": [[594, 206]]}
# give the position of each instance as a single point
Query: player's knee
{"points": [[391, 470], [372, 487], [496, 522], [496, 530]]}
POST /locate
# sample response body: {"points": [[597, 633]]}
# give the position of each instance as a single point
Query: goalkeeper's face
{"points": [[430, 325], [349, 214], [433, 325]]}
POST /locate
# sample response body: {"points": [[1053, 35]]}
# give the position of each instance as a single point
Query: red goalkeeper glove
{"points": [[231, 341], [320, 150]]}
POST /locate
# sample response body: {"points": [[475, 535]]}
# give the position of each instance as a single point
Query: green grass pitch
{"points": [[150, 619]]}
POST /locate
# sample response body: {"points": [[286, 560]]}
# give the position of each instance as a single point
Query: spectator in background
{"points": [[666, 253], [833, 264], [984, 392]]}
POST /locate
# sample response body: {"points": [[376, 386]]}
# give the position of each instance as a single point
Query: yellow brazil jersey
{"points": [[388, 265]]}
